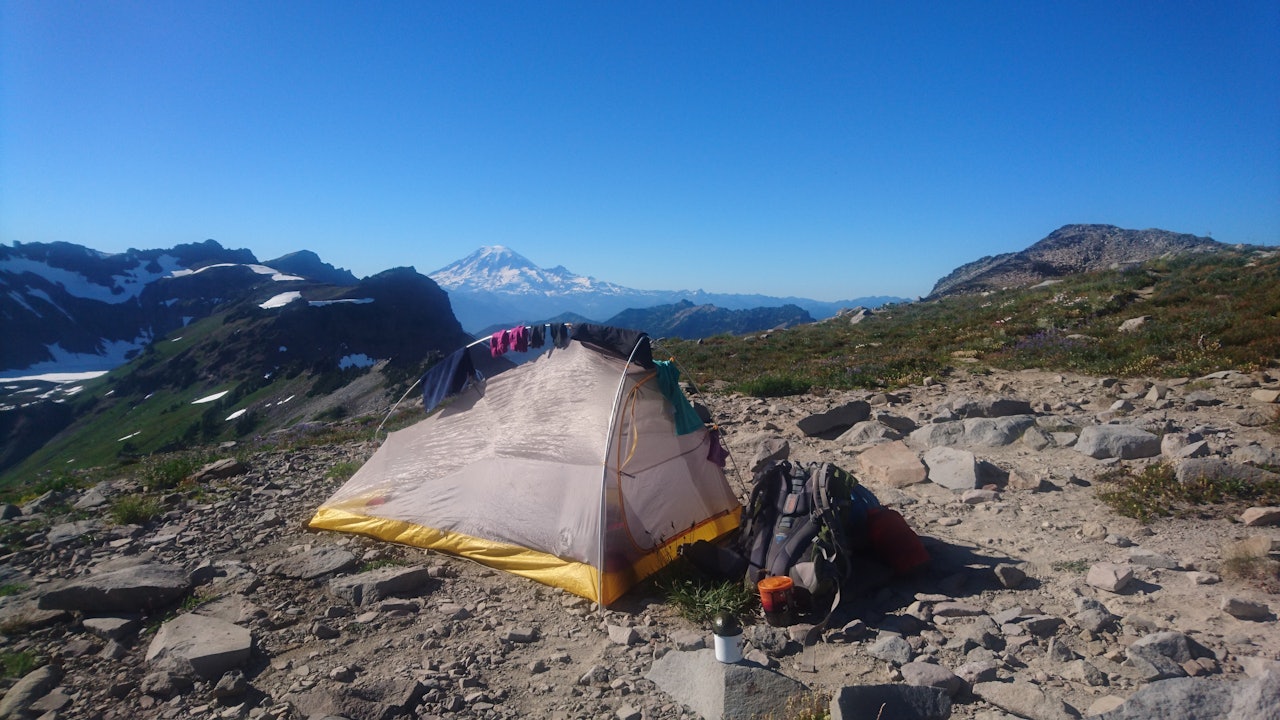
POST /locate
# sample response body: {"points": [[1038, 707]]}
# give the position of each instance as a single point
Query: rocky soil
{"points": [[1039, 603]]}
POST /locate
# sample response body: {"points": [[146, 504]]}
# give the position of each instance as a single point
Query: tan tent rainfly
{"points": [[567, 469]]}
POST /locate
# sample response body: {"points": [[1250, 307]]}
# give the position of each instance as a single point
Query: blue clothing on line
{"points": [[686, 417], [448, 377]]}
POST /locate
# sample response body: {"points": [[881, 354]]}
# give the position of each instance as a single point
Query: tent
{"points": [[579, 469]]}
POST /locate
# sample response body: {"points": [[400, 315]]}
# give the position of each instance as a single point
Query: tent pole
{"points": [[393, 407], [604, 472]]}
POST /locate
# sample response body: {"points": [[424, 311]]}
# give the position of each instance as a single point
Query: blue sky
{"points": [[827, 150]]}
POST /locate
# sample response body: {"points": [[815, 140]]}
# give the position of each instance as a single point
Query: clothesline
{"points": [[522, 338]]}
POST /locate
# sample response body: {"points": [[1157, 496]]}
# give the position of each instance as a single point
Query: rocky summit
{"points": [[1040, 602]]}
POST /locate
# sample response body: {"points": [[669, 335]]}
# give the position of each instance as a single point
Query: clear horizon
{"points": [[828, 151]]}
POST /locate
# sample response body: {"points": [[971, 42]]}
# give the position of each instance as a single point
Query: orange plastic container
{"points": [[776, 594]]}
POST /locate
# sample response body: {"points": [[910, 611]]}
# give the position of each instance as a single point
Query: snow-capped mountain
{"points": [[499, 269], [496, 285]]}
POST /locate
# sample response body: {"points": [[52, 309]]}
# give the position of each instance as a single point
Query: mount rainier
{"points": [[495, 285]]}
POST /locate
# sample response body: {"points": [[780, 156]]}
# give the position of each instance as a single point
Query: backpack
{"points": [[807, 522], [803, 521]]}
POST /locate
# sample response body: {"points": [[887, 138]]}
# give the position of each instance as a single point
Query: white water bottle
{"points": [[728, 638]]}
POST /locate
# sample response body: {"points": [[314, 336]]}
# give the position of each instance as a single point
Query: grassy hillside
{"points": [[149, 407], [1206, 313]]}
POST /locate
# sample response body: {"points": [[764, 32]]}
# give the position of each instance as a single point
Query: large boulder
{"points": [[836, 420], [722, 690], [1117, 441], [891, 464], [1188, 698], [952, 468], [1190, 470]]}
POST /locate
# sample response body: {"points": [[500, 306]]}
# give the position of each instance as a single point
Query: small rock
{"points": [[1110, 577], [623, 635], [978, 671], [1010, 576], [1242, 609], [1199, 577], [521, 635], [686, 640], [1258, 516], [922, 674], [891, 649], [1151, 559], [231, 686], [978, 497]]}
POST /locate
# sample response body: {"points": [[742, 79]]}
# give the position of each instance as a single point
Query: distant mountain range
{"points": [[688, 321], [67, 308], [495, 285], [209, 344]]}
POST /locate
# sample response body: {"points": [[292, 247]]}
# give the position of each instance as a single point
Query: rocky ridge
{"points": [[1039, 603], [1069, 250]]}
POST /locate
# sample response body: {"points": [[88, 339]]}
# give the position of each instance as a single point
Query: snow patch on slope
{"points": [[210, 398], [281, 300], [125, 287], [276, 275], [112, 353]]}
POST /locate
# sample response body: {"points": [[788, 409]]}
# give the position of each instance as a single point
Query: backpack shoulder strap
{"points": [[760, 513]]}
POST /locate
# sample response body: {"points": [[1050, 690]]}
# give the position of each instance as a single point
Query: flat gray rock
{"points": [[316, 562], [132, 589], [369, 587], [1026, 700], [69, 532], [113, 628], [719, 690], [91, 499], [867, 432], [900, 702], [203, 645]]}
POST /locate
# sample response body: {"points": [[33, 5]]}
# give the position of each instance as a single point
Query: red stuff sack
{"points": [[894, 541]]}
